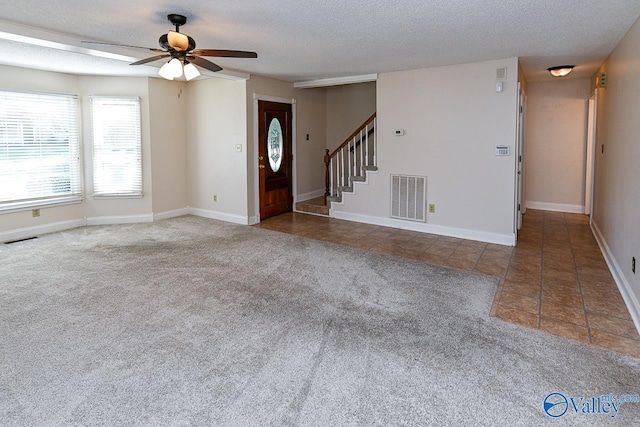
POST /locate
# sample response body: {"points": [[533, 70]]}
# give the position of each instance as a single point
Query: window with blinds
{"points": [[117, 147], [39, 150]]}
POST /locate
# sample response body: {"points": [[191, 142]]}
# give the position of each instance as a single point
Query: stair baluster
{"points": [[343, 169]]}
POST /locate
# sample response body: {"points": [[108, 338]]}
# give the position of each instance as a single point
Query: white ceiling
{"points": [[299, 40]]}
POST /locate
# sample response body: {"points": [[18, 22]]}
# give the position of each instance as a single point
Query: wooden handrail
{"points": [[353, 135]]}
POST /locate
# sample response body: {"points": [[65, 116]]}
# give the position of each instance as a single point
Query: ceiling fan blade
{"points": [[204, 63], [153, 58], [224, 53], [124, 45]]}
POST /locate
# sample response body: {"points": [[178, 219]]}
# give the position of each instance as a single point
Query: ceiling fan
{"points": [[183, 53]]}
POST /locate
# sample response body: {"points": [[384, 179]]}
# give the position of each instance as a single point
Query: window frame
{"points": [[76, 195], [139, 192]]}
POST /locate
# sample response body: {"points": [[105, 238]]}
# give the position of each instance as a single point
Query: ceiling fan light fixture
{"points": [[190, 71], [166, 72], [178, 41], [560, 70], [171, 70], [175, 67]]}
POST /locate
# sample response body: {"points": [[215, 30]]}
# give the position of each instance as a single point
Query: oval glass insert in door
{"points": [[275, 145]]}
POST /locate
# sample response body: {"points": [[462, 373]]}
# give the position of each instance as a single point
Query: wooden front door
{"points": [[275, 158]]}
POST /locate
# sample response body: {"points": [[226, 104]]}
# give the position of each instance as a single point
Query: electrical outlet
{"points": [[432, 208], [633, 265], [35, 213], [215, 197]]}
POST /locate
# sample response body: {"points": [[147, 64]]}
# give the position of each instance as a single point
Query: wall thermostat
{"points": [[398, 132], [502, 150]]}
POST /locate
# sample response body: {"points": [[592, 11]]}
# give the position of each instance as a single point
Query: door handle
{"points": [[262, 166]]}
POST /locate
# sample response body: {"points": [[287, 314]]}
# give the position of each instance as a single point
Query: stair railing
{"points": [[350, 161]]}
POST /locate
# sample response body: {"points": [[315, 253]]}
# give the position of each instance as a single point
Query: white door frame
{"points": [[519, 162], [255, 218], [591, 151]]}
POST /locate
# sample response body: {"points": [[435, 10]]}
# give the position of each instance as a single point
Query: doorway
{"points": [[275, 158]]}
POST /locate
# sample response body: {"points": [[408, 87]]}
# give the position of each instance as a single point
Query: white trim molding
{"points": [[336, 81], [171, 214], [119, 219], [37, 230], [624, 286], [256, 143], [555, 207], [482, 236], [221, 216]]}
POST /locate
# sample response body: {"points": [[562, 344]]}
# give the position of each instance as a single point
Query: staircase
{"points": [[347, 164], [351, 161]]}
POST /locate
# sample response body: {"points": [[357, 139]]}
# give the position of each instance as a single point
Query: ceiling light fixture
{"points": [[190, 71], [560, 70], [175, 68]]}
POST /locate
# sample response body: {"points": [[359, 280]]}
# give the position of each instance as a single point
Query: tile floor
{"points": [[555, 279]]}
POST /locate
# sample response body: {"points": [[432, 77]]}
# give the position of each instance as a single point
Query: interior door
{"points": [[275, 159]]}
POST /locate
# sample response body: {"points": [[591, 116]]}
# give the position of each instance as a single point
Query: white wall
{"points": [[309, 161], [168, 120], [348, 106], [216, 123], [453, 120], [616, 210], [556, 144]]}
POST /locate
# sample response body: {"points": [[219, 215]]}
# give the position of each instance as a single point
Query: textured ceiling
{"points": [[299, 40]]}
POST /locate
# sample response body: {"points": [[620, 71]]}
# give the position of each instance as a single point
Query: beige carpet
{"points": [[197, 322]]}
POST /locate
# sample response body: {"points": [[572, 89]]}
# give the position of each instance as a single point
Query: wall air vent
{"points": [[408, 197], [501, 73]]}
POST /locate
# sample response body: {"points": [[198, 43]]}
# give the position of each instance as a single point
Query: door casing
{"points": [[254, 216]]}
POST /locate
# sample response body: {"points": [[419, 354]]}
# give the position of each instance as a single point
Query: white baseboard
{"points": [[119, 219], [25, 233], [171, 214], [623, 285], [310, 195], [500, 239], [236, 219], [555, 207]]}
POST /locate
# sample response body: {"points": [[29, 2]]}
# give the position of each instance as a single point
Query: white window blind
{"points": [[39, 150], [117, 146]]}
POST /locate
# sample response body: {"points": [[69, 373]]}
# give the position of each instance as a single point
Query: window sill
{"points": [[39, 204], [116, 196]]}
